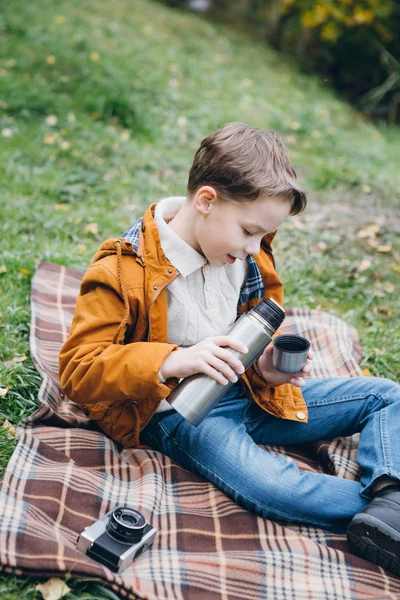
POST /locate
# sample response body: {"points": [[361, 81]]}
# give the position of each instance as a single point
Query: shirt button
{"points": [[208, 285], [207, 269], [211, 299], [300, 415]]}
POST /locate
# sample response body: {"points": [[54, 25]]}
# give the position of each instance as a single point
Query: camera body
{"points": [[118, 538]]}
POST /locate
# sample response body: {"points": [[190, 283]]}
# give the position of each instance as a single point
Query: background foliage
{"points": [[355, 43]]}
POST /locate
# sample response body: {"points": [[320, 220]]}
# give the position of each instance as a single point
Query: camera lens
{"points": [[126, 525]]}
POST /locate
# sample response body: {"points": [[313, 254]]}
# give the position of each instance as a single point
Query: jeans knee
{"points": [[387, 389]]}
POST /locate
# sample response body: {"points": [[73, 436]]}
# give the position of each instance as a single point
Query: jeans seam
{"points": [[281, 514], [351, 397], [385, 437]]}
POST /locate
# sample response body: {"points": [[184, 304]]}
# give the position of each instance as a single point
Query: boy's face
{"points": [[229, 231]]}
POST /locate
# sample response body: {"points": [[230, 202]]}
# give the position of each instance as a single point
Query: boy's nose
{"points": [[252, 247]]}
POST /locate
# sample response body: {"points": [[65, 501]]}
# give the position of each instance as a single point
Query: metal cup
{"points": [[290, 353]]}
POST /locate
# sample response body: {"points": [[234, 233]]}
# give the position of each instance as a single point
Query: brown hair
{"points": [[242, 162]]}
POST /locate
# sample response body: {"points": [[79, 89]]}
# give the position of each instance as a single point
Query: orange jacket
{"points": [[118, 340]]}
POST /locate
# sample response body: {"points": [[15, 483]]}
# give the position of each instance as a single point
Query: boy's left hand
{"points": [[271, 375]]}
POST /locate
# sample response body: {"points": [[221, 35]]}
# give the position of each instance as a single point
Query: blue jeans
{"points": [[223, 449]]}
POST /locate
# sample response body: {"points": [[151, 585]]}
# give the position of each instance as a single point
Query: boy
{"points": [[155, 306]]}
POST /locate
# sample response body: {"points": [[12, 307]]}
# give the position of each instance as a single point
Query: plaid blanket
{"points": [[65, 474]]}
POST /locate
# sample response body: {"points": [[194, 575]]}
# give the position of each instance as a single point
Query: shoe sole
{"points": [[371, 543]]}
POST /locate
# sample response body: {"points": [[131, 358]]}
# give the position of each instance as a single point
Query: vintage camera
{"points": [[118, 538]]}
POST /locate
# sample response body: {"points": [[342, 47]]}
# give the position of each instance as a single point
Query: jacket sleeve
{"points": [[91, 367]]}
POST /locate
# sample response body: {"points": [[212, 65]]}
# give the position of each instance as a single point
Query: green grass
{"points": [[134, 87]]}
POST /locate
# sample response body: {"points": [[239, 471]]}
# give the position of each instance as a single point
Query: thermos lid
{"points": [[271, 311]]}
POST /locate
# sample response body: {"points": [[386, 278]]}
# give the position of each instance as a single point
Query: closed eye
{"points": [[246, 232]]}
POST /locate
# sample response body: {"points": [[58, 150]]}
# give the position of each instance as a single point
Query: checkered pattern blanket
{"points": [[65, 474]]}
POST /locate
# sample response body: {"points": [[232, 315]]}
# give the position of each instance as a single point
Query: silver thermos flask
{"points": [[196, 395]]}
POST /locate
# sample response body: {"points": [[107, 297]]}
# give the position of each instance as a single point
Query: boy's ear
{"points": [[204, 198]]}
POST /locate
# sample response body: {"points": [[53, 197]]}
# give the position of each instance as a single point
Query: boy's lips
{"points": [[231, 259]]}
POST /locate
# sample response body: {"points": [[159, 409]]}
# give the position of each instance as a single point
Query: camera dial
{"points": [[126, 525]]}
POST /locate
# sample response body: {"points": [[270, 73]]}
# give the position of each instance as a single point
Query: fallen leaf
{"points": [[367, 372], [364, 265], [366, 189], [51, 120], [94, 56], [369, 232], [125, 135], [379, 293], [24, 271], [3, 269], [49, 139], [315, 249], [81, 249], [53, 589], [389, 287], [62, 207], [92, 228], [330, 225], [9, 427], [51, 60], [3, 391], [15, 361], [385, 310], [386, 248], [294, 125]]}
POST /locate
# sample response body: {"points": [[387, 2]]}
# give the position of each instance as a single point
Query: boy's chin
{"points": [[220, 262], [216, 262]]}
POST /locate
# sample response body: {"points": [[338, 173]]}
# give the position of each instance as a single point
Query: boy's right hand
{"points": [[210, 356]]}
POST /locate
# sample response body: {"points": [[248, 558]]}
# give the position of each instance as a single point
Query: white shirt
{"points": [[202, 300]]}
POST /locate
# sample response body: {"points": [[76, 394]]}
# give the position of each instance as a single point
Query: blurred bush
{"points": [[354, 43]]}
